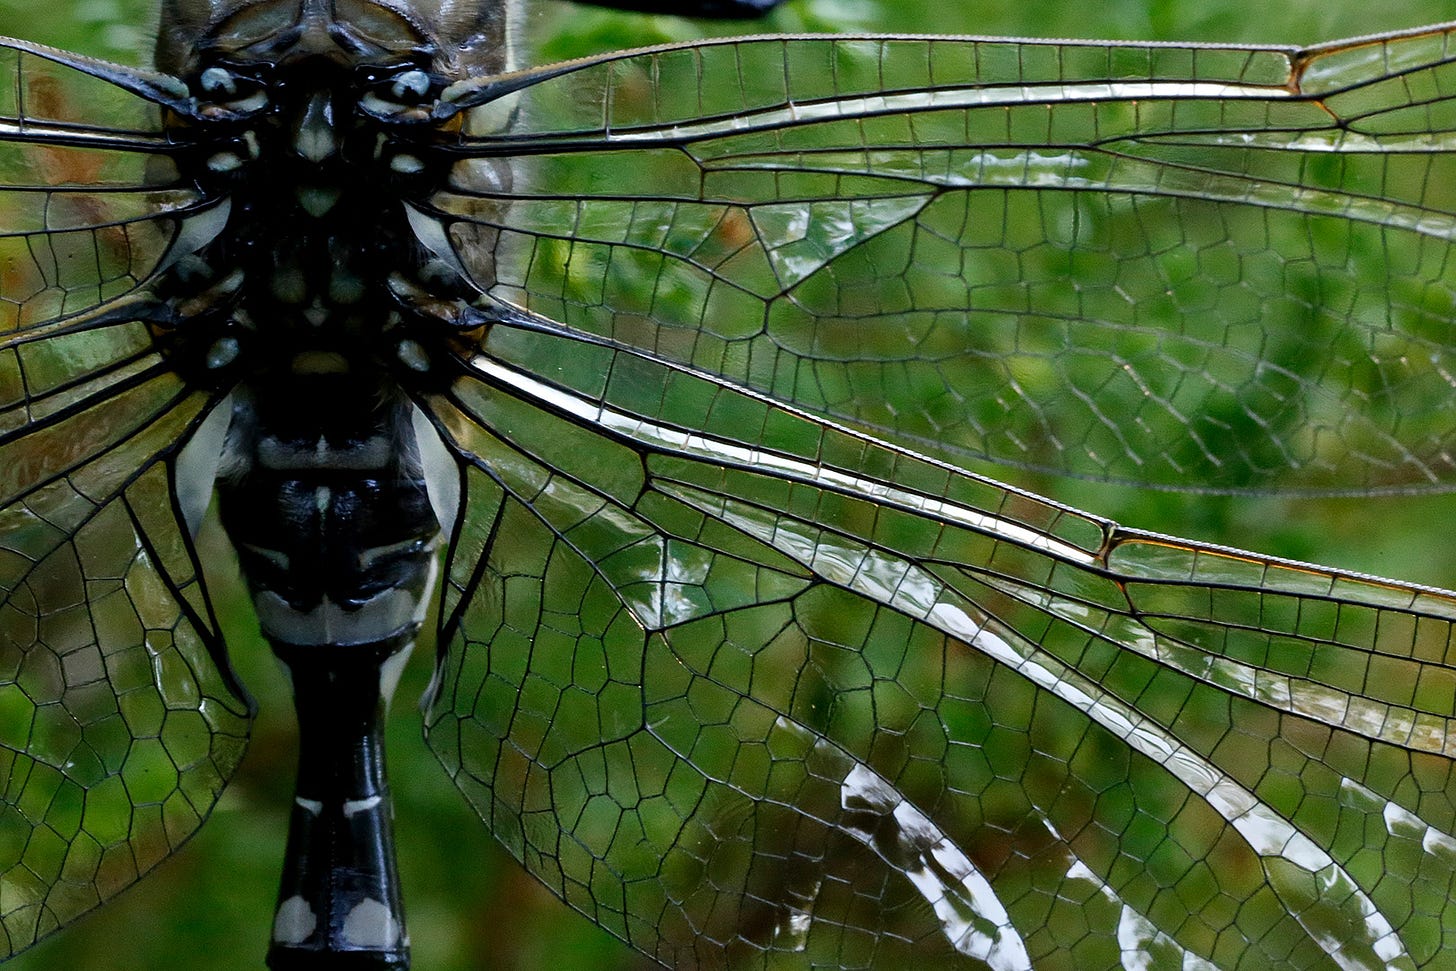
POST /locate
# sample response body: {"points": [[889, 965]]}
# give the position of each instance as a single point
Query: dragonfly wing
{"points": [[119, 722], [1225, 267], [90, 200], [731, 680]]}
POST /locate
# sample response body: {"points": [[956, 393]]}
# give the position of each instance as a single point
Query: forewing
{"points": [[90, 200], [119, 723], [1217, 268], [734, 682]]}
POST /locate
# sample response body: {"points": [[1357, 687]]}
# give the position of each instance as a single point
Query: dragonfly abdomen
{"points": [[323, 496], [330, 513]]}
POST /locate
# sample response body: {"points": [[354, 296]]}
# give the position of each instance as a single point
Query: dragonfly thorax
{"points": [[320, 128], [317, 269], [321, 488], [460, 39]]}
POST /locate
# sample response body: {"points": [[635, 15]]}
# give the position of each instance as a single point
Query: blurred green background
{"points": [[470, 907]]}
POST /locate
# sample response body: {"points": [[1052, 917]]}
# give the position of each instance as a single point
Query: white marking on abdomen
{"points": [[370, 924], [353, 806], [295, 921], [388, 613], [368, 455]]}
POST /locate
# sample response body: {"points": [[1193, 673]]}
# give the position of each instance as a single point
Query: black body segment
{"points": [[323, 498], [340, 905], [323, 495]]}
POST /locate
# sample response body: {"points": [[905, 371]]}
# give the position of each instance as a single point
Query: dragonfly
{"points": [[1078, 738]]}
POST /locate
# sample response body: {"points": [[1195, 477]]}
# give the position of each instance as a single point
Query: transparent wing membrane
{"points": [[118, 726], [732, 681], [750, 688], [1219, 266], [88, 193]]}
